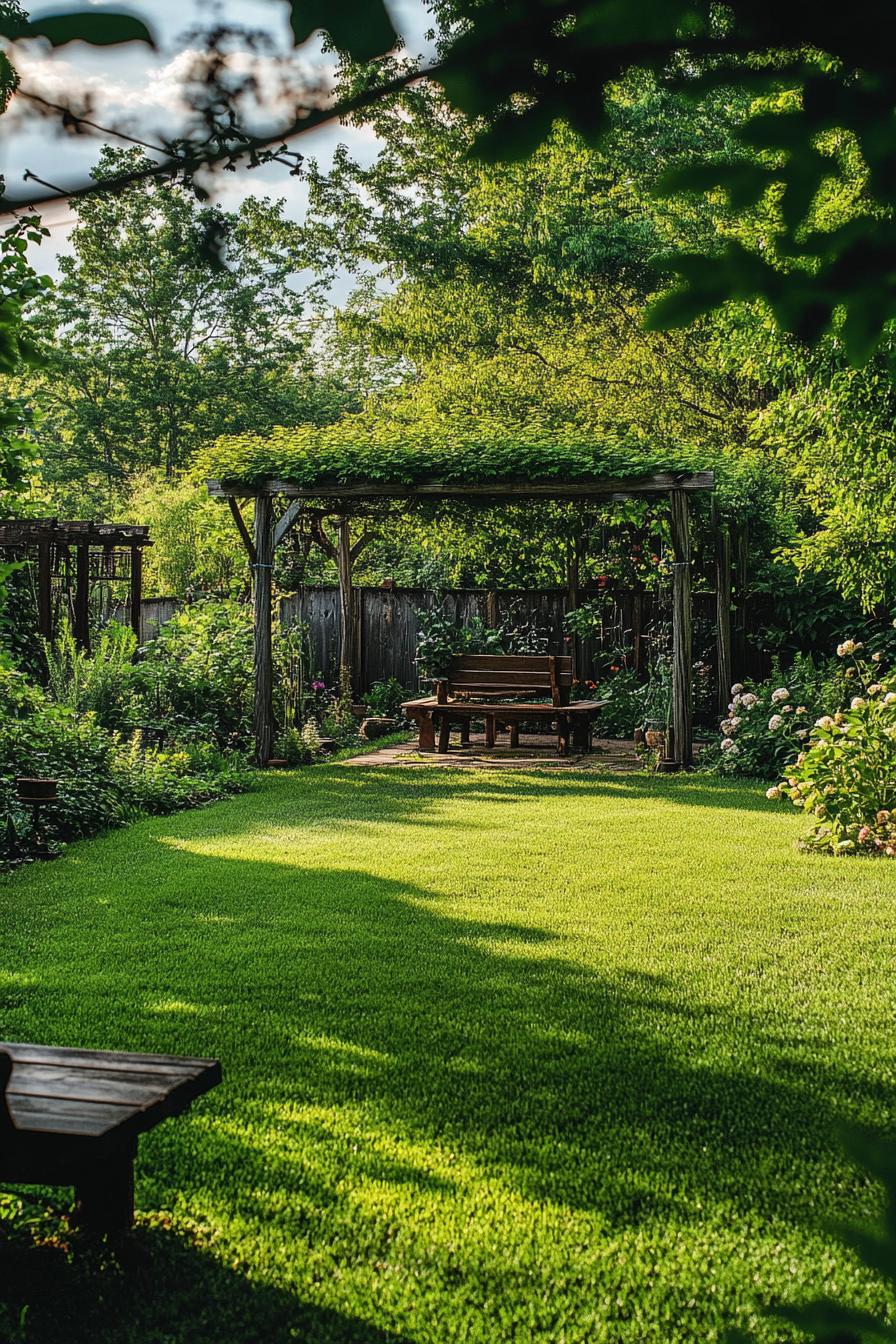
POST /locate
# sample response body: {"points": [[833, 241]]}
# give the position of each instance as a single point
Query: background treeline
{"points": [[515, 292]]}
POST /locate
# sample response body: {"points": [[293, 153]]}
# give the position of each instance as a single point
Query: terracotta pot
{"points": [[36, 790]]}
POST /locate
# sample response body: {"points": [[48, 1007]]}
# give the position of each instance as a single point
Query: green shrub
{"points": [[102, 682], [846, 778], [439, 640], [385, 698], [625, 695], [195, 679], [103, 780]]}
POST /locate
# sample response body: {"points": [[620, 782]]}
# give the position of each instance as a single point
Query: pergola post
{"points": [[82, 595], [724, 675], [346, 601], [136, 591], [262, 571], [682, 655], [44, 590]]}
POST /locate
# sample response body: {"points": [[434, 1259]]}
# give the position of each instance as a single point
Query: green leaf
{"points": [[362, 28], [101, 30]]}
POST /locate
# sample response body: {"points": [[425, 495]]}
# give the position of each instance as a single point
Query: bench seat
{"points": [[474, 687], [73, 1117]]}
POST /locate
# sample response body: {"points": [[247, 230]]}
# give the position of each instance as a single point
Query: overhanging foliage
{"points": [[359, 449]]}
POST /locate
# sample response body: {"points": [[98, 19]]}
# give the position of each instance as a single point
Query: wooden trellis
{"points": [[78, 554]]}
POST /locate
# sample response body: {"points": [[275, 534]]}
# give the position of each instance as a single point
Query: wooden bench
{"points": [[475, 685], [73, 1117]]}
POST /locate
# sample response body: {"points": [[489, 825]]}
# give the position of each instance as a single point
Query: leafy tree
{"points": [[824, 77], [159, 345]]}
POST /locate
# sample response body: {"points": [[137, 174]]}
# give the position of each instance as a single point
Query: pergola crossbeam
{"points": [[657, 483]]}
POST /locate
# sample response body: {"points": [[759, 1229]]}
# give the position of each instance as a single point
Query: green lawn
{"points": [[507, 1057]]}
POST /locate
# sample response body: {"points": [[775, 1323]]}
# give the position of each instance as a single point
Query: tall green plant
{"points": [[99, 682]]}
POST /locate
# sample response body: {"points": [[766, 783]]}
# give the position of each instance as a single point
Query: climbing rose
{"points": [[748, 700], [857, 702], [737, 689], [780, 695], [728, 744], [824, 722], [773, 792], [775, 722]]}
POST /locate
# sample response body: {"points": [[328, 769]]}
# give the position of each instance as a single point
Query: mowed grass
{"points": [[507, 1057]]}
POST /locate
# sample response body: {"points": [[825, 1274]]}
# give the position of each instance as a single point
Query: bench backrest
{"points": [[508, 674]]}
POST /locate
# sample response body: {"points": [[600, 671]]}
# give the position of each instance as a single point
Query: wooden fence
{"points": [[386, 625]]}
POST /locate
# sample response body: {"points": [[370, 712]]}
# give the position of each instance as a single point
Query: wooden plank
{"points": [[492, 677], [458, 708], [25, 1053], [136, 591], [237, 514], [44, 591], [597, 487], [82, 596], [35, 1115], [73, 1084], [287, 521], [513, 662]]}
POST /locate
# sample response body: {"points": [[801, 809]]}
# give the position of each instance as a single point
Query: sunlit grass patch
{"points": [[506, 1057]]}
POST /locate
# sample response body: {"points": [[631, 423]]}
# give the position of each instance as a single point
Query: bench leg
{"points": [[563, 735], [489, 730], [465, 733], [105, 1195], [514, 734], [444, 733], [427, 738], [581, 734]]}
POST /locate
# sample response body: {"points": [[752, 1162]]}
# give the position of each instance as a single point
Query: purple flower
{"points": [[318, 685]]}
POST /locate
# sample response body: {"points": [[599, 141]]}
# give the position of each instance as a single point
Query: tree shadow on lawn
{"points": [[397, 787], [157, 1287]]}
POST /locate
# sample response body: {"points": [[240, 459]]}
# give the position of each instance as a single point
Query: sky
{"points": [[137, 89]]}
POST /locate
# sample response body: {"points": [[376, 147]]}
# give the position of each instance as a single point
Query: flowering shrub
{"points": [[764, 730], [846, 779], [769, 723]]}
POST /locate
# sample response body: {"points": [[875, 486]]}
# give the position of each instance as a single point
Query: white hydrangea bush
{"points": [[764, 730]]}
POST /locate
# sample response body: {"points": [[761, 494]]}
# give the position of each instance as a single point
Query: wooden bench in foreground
{"points": [[475, 685], [73, 1117]]}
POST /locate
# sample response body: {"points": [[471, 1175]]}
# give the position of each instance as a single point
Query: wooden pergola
{"points": [[313, 502], [79, 554]]}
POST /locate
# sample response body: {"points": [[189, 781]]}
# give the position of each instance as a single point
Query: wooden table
{"points": [[73, 1117]]}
